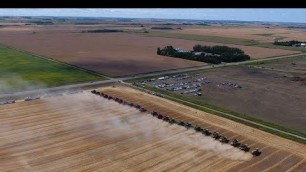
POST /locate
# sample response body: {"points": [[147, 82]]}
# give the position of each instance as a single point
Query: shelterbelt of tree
{"points": [[288, 43], [207, 54]]}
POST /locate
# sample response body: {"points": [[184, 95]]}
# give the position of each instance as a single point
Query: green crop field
{"points": [[23, 71]]}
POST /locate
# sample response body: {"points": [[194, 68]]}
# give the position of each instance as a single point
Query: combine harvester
{"points": [[244, 147], [256, 152], [223, 139], [235, 143], [7, 102], [31, 98]]}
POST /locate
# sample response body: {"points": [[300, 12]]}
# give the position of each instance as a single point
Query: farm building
{"points": [[180, 50]]}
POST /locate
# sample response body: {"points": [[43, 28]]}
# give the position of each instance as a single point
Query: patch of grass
{"points": [[244, 116], [256, 63], [24, 71]]}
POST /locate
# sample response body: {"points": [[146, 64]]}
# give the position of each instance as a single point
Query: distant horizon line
{"points": [[152, 18]]}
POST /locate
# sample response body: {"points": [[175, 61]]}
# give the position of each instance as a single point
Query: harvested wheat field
{"points": [[85, 132], [115, 54], [258, 33]]}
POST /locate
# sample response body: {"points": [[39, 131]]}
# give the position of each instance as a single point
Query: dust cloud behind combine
{"points": [[148, 127], [85, 132], [12, 82]]}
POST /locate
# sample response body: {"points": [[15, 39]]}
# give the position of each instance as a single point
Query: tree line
{"points": [[217, 54], [102, 31], [287, 43]]}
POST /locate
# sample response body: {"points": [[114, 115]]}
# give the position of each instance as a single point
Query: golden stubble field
{"points": [[85, 132]]}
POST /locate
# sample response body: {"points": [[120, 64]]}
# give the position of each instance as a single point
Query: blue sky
{"points": [[248, 14]]}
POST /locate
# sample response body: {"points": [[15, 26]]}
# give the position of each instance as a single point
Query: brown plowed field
{"points": [[85, 132], [113, 54]]}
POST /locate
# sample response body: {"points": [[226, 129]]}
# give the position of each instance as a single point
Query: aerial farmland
{"points": [[138, 94], [112, 54], [84, 131]]}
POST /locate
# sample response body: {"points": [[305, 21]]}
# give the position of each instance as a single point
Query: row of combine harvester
{"points": [[14, 101], [8, 102], [120, 101], [206, 132], [215, 135]]}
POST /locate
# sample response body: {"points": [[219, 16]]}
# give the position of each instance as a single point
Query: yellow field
{"points": [[85, 132]]}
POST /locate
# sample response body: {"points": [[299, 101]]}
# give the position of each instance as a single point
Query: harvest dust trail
{"points": [[85, 132], [195, 140], [13, 80]]}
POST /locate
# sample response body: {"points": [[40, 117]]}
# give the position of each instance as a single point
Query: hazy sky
{"points": [[248, 14]]}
